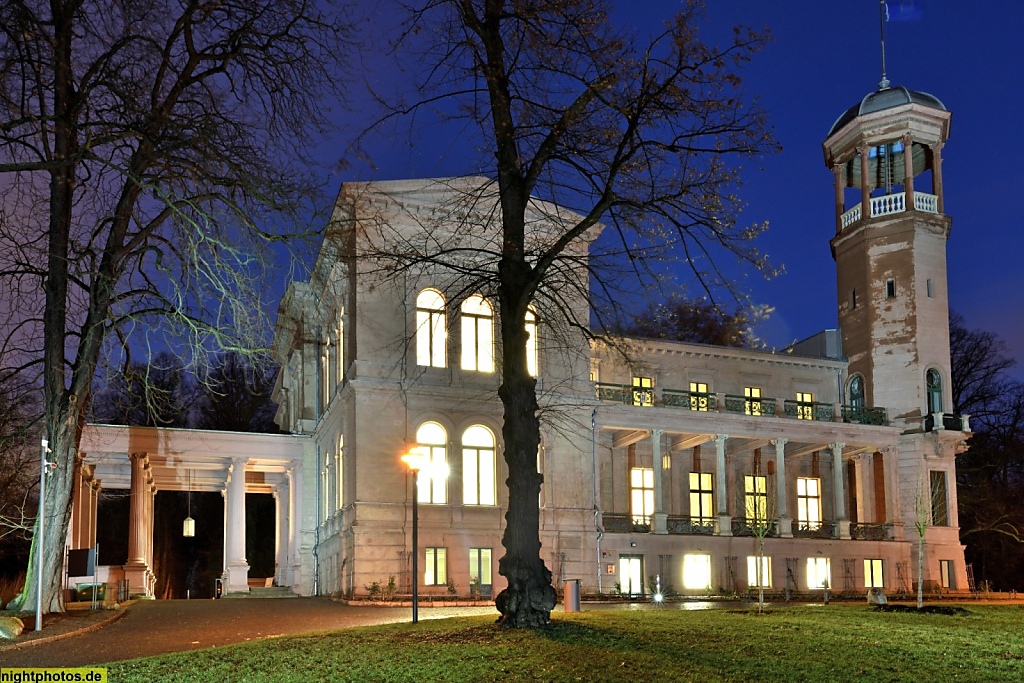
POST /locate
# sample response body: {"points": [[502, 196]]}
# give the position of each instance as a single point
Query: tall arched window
{"points": [[477, 334], [478, 466], [531, 342], [857, 391], [430, 329], [933, 383], [432, 443]]}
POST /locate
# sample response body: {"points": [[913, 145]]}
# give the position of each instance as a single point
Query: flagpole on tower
{"points": [[883, 13]]}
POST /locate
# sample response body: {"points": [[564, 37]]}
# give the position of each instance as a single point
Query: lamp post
{"points": [[415, 462]]}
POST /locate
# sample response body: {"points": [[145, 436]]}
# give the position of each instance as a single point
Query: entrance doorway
{"points": [[631, 574]]}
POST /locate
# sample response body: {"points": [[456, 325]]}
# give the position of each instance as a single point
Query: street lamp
{"points": [[419, 462]]}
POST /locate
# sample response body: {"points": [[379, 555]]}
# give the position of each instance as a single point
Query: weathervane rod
{"points": [[883, 12]]}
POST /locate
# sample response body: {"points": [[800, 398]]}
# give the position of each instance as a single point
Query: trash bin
{"points": [[86, 591], [571, 595]]}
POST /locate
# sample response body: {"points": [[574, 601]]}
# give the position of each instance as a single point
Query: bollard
{"points": [[571, 595]]}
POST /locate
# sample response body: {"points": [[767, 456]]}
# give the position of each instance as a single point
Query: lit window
{"points": [[699, 396], [339, 466], [819, 572], [480, 568], [641, 484], [341, 346], [431, 440], [755, 577], [701, 497], [808, 503], [946, 575], [940, 510], [697, 572], [435, 569], [532, 361], [857, 391], [477, 334], [430, 329], [752, 406], [934, 385], [804, 405], [755, 497], [643, 391], [478, 466], [873, 575], [631, 575]]}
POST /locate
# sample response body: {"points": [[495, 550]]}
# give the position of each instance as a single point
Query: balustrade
{"points": [[890, 204]]}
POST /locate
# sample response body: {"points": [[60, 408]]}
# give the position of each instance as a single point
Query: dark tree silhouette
{"points": [[236, 395], [688, 320]]}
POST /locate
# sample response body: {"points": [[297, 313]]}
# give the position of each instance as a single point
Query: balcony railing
{"points": [[693, 526], [890, 204], [614, 523], [616, 393], [814, 530], [864, 415], [741, 526], [750, 406], [870, 532], [809, 410], [948, 421]]}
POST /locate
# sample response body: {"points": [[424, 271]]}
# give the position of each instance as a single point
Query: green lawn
{"points": [[814, 643]]}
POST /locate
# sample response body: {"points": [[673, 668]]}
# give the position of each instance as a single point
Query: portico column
{"points": [[721, 497], [937, 175], [660, 518], [237, 567], [908, 169], [838, 171], [94, 496], [839, 493], [136, 569], [281, 532], [865, 191], [781, 492], [297, 579]]}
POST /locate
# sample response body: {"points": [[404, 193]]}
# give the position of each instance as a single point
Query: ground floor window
{"points": [[873, 575], [641, 502], [701, 496], [631, 574], [759, 571], [819, 572], [697, 571], [480, 570], [946, 575], [435, 570]]}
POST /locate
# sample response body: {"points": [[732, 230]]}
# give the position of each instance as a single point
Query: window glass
{"points": [[934, 385], [430, 329], [435, 569], [701, 496], [432, 443], [697, 571], [478, 466], [873, 576], [819, 573], [641, 484], [804, 405], [755, 577], [755, 499], [532, 359], [699, 399], [643, 391], [808, 503], [477, 334], [752, 406]]}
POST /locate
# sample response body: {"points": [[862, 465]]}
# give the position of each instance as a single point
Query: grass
{"points": [[836, 643]]}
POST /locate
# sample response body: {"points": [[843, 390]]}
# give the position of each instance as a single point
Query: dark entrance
{"points": [[187, 566]]}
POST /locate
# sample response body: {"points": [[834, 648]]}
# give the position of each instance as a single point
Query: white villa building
{"points": [[659, 458]]}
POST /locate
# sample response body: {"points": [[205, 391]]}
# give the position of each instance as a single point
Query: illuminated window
{"points": [[755, 497], [934, 385], [752, 404], [946, 575], [940, 510], [819, 572], [477, 334], [478, 466], [699, 396], [641, 489], [480, 567], [532, 360], [643, 391], [804, 405], [430, 329], [759, 573], [631, 575], [435, 569], [341, 346], [339, 467], [873, 575], [697, 572], [808, 503], [701, 497], [857, 391], [432, 440]]}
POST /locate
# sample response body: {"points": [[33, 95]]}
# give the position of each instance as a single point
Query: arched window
{"points": [[531, 342], [431, 442], [478, 466], [857, 391], [477, 334], [430, 329], [933, 382]]}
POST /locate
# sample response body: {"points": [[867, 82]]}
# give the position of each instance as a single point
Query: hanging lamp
{"points": [[189, 529]]}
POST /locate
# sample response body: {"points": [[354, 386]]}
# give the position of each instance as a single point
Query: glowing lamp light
{"points": [[659, 597], [189, 529]]}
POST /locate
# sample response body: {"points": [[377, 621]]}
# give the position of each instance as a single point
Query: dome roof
{"points": [[886, 98]]}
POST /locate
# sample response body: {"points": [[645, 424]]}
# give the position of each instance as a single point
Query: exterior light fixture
{"points": [[189, 527], [417, 462]]}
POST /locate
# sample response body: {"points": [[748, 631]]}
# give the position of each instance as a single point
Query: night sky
{"points": [[823, 59]]}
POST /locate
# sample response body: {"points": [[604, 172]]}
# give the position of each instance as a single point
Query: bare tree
{"points": [[694, 320], [149, 149], [635, 134]]}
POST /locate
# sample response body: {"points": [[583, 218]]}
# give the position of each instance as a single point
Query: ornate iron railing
{"points": [[864, 415], [809, 410], [692, 400], [616, 393], [814, 530], [870, 532], [749, 406], [693, 526], [615, 523], [741, 526]]}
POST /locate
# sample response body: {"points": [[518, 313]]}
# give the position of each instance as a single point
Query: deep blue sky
{"points": [[823, 59]]}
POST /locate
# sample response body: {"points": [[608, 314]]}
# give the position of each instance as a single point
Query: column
{"points": [[894, 513], [78, 510], [660, 518], [282, 527], [136, 570], [294, 527], [781, 491], [237, 567], [865, 191], [721, 498], [937, 175], [150, 536], [908, 168], [94, 499], [839, 493], [840, 200]]}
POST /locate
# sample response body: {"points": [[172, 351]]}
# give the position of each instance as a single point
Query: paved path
{"points": [[153, 627]]}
